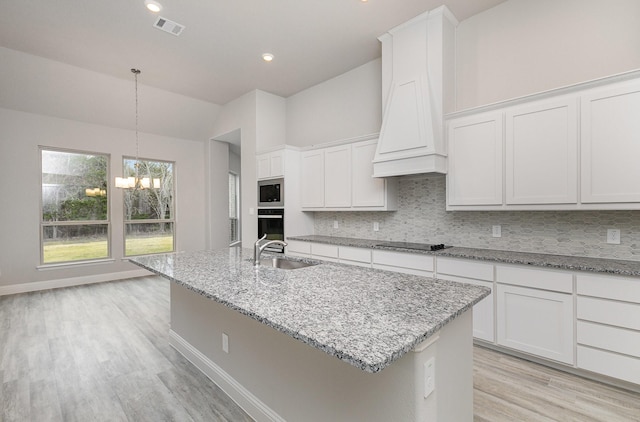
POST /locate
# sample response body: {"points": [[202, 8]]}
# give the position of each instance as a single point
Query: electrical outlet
{"points": [[225, 343], [335, 224], [497, 231], [429, 377], [376, 226], [613, 236]]}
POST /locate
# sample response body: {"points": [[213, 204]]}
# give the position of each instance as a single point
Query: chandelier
{"points": [[136, 182]]}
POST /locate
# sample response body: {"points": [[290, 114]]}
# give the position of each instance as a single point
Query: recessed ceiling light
{"points": [[267, 57], [152, 5]]}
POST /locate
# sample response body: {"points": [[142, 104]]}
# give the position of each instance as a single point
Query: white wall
{"points": [[344, 107], [521, 47], [241, 115], [38, 85], [48, 103], [271, 120], [20, 135]]}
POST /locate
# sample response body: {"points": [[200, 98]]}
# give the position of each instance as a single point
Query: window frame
{"points": [[171, 221], [237, 200], [42, 223]]}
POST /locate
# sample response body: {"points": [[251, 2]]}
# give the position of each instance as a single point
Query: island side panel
{"points": [[289, 380]]}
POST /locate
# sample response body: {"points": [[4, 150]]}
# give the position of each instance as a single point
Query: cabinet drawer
{"points": [[609, 338], [620, 288], [463, 268], [620, 314], [611, 364], [295, 247], [324, 250], [539, 279], [404, 260], [355, 254]]}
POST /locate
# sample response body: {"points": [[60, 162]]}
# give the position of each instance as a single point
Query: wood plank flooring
{"points": [[100, 353]]}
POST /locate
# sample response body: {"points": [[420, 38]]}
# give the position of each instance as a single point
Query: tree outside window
{"points": [[74, 206], [149, 213]]}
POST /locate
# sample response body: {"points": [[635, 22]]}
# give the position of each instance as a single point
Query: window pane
{"points": [[74, 186], [147, 238], [155, 203], [75, 243]]}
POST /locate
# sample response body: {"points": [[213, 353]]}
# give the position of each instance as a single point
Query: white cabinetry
{"points": [[541, 152], [478, 273], [297, 248], [368, 191], [610, 145], [548, 163], [475, 160], [355, 256], [535, 312], [270, 164], [608, 328], [312, 178], [402, 262], [337, 173], [340, 178]]}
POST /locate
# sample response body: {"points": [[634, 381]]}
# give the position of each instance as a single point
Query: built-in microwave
{"points": [[271, 193]]}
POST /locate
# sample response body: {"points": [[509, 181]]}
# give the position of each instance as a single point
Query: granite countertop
{"points": [[562, 262], [366, 317]]}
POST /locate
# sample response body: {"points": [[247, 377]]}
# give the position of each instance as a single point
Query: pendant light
{"points": [[136, 182]]}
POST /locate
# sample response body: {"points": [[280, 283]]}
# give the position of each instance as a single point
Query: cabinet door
{"points": [[263, 166], [367, 191], [541, 153], [337, 177], [276, 162], [475, 160], [610, 147], [536, 321], [312, 179]]}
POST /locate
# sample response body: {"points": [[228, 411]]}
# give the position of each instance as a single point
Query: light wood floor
{"points": [[100, 353]]}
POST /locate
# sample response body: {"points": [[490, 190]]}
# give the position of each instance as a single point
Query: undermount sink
{"points": [[285, 264]]}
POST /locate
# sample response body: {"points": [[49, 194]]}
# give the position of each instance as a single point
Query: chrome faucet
{"points": [[258, 249]]}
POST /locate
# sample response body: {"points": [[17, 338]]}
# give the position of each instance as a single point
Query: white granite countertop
{"points": [[368, 318], [562, 262]]}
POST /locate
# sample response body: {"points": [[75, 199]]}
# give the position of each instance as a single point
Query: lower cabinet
{"points": [[533, 320], [608, 327], [478, 273], [403, 262]]}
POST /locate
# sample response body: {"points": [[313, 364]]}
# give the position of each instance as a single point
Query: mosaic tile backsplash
{"points": [[421, 217]]}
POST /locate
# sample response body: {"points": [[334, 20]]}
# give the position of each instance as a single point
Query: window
{"points": [[149, 213], [75, 208], [234, 195]]}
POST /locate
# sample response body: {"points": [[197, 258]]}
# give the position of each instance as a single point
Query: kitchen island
{"points": [[325, 342]]}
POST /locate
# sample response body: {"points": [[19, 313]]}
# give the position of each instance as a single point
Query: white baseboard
{"points": [[243, 397], [68, 282]]}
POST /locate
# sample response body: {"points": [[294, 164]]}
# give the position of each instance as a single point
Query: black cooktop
{"points": [[415, 246]]}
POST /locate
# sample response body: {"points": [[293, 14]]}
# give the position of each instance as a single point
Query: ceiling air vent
{"points": [[171, 27]]}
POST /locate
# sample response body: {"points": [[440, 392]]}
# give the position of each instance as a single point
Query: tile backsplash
{"points": [[421, 217]]}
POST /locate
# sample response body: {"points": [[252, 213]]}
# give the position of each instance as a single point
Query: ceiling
{"points": [[217, 58]]}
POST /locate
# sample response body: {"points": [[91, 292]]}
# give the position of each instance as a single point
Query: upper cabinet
{"points": [[573, 150], [475, 160], [418, 60], [610, 133], [270, 164], [541, 151], [339, 178]]}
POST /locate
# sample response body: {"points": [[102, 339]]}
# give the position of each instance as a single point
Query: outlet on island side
{"points": [[225, 343], [429, 377]]}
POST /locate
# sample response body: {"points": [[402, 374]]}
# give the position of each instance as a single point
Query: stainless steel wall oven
{"points": [[271, 222]]}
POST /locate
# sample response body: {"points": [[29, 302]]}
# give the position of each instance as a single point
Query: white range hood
{"points": [[418, 88]]}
